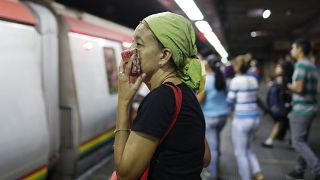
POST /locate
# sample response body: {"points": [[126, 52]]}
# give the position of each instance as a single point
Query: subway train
{"points": [[58, 89]]}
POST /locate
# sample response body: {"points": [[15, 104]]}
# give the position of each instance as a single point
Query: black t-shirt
{"points": [[180, 156]]}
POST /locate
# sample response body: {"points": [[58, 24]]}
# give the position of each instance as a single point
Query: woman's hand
{"points": [[126, 88]]}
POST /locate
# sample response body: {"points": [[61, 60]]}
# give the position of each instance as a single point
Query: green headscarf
{"points": [[176, 33]]}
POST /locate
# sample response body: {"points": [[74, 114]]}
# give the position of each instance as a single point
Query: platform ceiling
{"points": [[232, 21]]}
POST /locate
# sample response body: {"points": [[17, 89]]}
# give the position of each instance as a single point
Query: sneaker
{"points": [[205, 174], [258, 176], [294, 175], [264, 144]]}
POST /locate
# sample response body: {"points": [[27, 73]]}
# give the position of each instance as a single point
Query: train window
{"points": [[111, 68]]}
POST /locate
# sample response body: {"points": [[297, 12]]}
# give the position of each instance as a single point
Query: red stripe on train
{"points": [[82, 27], [16, 11]]}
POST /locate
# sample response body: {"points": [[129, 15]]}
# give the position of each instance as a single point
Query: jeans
{"points": [[242, 131], [214, 125], [284, 127], [300, 128]]}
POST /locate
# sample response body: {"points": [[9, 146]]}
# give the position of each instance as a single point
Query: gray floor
{"points": [[275, 162]]}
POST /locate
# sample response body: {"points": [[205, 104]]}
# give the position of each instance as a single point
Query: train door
{"points": [[95, 62], [48, 29], [88, 100]]}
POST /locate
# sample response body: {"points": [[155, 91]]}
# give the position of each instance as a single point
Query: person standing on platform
{"points": [[278, 105], [243, 93], [165, 44], [305, 107], [287, 67], [216, 110]]}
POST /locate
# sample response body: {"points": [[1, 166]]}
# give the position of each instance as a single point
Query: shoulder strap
{"points": [[178, 98]]}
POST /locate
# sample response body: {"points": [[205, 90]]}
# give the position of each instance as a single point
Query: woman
{"points": [[166, 48], [243, 94], [278, 106], [215, 108]]}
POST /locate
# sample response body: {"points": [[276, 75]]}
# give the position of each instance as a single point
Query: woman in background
{"points": [[215, 109], [278, 106], [243, 93]]}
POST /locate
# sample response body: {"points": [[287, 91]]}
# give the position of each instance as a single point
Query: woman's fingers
{"points": [[128, 66], [121, 69], [138, 82]]}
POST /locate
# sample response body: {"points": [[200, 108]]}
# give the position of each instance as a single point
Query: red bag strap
{"points": [[178, 98]]}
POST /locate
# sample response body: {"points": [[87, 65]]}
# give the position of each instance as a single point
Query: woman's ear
{"points": [[165, 56]]}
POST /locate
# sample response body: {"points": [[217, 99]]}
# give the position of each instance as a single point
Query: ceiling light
{"points": [[255, 12], [253, 34], [214, 41], [288, 12], [266, 13], [190, 9], [258, 33], [203, 26], [224, 60]]}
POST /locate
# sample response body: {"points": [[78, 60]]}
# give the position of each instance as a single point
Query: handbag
{"points": [[178, 99]]}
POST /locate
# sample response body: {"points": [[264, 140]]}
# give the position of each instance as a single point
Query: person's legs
{"points": [[300, 126], [220, 126], [240, 140], [254, 163], [213, 127], [283, 127], [273, 135], [275, 131], [301, 165]]}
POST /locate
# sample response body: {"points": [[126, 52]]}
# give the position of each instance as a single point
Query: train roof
{"points": [[14, 10], [85, 23]]}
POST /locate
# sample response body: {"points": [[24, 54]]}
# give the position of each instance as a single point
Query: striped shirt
{"points": [[243, 92], [306, 102]]}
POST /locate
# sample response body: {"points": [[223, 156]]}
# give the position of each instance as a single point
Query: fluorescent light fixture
{"points": [[214, 41], [190, 8], [266, 13], [224, 60], [203, 26], [253, 34], [258, 33], [193, 13], [257, 12], [212, 38]]}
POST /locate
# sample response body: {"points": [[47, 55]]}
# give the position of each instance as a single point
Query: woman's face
{"points": [[148, 49], [278, 69]]}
